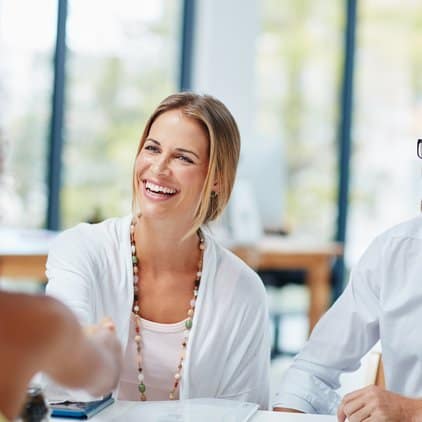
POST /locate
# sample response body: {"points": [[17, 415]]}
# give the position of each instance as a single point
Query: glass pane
{"points": [[386, 173], [123, 59], [27, 38], [298, 83]]}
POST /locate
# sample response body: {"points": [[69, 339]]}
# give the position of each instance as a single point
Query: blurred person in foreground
{"points": [[39, 333], [192, 317]]}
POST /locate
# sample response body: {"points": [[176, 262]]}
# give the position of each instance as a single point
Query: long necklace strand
{"points": [[137, 311]]}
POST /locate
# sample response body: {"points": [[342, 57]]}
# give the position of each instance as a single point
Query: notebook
{"points": [[78, 409]]}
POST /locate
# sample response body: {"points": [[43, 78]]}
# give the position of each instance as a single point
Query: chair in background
{"points": [[375, 370]]}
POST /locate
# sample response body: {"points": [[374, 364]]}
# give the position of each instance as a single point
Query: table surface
{"points": [[117, 411]]}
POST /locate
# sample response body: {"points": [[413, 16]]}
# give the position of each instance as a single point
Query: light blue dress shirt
{"points": [[383, 301]]}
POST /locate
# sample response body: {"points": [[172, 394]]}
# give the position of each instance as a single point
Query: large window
{"points": [[386, 174], [299, 69], [27, 36], [123, 58]]}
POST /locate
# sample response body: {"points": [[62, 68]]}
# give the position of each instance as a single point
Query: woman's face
{"points": [[171, 168]]}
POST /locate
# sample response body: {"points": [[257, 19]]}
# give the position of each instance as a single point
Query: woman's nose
{"points": [[160, 166]]}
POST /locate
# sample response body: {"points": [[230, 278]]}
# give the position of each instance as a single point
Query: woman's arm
{"points": [[247, 368], [71, 271]]}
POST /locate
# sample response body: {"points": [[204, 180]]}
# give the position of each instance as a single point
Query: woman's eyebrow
{"points": [[188, 151], [152, 140]]}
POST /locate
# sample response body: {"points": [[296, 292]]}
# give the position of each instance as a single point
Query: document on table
{"points": [[192, 410]]}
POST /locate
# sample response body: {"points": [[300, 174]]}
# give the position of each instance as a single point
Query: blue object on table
{"points": [[79, 410]]}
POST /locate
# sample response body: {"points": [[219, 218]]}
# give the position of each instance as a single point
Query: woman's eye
{"points": [[184, 158], [151, 148]]}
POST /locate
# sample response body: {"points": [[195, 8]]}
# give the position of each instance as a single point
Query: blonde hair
{"points": [[224, 149]]}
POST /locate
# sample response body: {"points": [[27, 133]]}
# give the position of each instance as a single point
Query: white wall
{"points": [[224, 56], [226, 34]]}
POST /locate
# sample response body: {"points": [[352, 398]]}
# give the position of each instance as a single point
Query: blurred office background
{"points": [[327, 94]]}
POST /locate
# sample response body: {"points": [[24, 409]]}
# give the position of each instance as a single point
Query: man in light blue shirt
{"points": [[383, 301]]}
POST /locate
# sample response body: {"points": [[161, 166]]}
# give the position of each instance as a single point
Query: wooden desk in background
{"points": [[23, 254], [285, 253], [23, 266]]}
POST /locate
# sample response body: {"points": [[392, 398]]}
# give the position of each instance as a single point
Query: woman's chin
{"points": [[155, 211]]}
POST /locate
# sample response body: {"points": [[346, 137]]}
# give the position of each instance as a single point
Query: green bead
{"points": [[188, 324], [134, 259], [141, 388]]}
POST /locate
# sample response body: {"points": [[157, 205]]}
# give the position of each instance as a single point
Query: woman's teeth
{"points": [[159, 189]]}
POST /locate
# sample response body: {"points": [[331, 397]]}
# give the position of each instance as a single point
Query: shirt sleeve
{"points": [[70, 273], [343, 335]]}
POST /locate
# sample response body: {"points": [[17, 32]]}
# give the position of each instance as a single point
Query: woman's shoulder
{"points": [[85, 237]]}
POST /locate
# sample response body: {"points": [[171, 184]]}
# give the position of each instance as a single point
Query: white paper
{"points": [[192, 410]]}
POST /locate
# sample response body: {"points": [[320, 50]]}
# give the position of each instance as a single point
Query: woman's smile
{"points": [[157, 191]]}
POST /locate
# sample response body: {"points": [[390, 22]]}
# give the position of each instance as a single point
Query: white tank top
{"points": [[161, 348]]}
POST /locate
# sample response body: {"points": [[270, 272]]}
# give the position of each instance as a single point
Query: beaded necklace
{"points": [[137, 312]]}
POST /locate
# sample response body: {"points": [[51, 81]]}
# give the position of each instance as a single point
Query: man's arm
{"points": [[376, 404], [93, 360], [286, 409], [310, 384], [39, 333]]}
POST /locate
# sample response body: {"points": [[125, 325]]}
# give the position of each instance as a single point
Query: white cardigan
{"points": [[228, 354]]}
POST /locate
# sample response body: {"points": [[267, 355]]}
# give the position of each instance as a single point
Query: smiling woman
{"points": [[191, 317], [171, 168], [204, 123]]}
